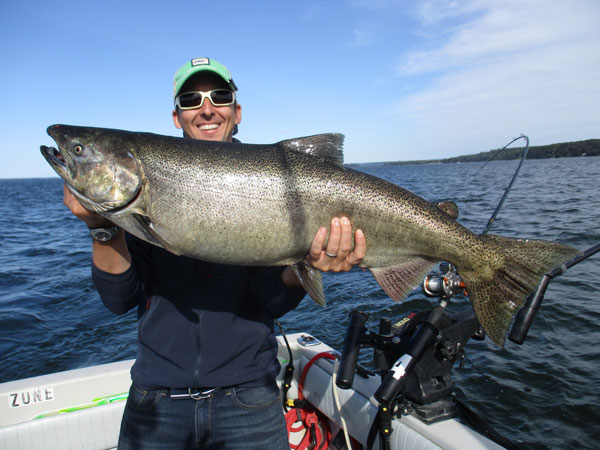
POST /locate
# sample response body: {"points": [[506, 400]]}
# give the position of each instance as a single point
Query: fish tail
{"points": [[514, 271]]}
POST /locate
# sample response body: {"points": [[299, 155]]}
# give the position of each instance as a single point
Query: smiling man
{"points": [[204, 375]]}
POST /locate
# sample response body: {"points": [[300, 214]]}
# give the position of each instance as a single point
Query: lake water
{"points": [[542, 394]]}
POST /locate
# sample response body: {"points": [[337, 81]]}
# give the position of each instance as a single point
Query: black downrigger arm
{"points": [[356, 337]]}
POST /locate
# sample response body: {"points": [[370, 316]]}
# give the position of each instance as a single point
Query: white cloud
{"points": [[434, 12], [502, 28], [505, 66]]}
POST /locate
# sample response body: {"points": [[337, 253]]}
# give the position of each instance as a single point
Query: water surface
{"points": [[542, 394]]}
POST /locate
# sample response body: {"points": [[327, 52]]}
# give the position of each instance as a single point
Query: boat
{"points": [[82, 408]]}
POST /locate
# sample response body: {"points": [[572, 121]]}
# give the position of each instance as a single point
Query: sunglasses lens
{"points": [[218, 97], [190, 100], [221, 97]]}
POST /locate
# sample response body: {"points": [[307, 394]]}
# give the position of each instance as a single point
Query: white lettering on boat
{"points": [[31, 396]]}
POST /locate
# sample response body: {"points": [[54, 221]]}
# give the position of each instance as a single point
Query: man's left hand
{"points": [[338, 255]]}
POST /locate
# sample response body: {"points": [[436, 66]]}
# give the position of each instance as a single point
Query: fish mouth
{"points": [[56, 159]]}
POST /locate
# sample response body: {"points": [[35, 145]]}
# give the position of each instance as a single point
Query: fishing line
{"points": [[476, 368], [488, 378], [338, 406]]}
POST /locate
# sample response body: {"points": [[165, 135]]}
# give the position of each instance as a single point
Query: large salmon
{"points": [[262, 204]]}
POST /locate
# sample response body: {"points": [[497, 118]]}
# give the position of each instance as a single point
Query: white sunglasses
{"points": [[195, 99]]}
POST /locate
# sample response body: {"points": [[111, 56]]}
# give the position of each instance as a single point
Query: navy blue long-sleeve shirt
{"points": [[200, 324]]}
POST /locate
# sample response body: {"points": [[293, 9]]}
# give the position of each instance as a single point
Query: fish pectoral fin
{"points": [[397, 281], [311, 280], [150, 234]]}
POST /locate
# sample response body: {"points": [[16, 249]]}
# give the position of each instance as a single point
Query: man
{"points": [[204, 375]]}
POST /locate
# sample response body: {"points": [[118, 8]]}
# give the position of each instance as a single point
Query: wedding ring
{"points": [[330, 255]]}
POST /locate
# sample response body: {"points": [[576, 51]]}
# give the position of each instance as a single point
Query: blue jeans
{"points": [[231, 418]]}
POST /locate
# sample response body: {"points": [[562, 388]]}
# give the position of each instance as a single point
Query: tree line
{"points": [[590, 147]]}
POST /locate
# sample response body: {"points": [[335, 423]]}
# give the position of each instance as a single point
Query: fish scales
{"points": [[281, 209]]}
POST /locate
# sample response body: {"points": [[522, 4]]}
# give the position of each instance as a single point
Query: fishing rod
{"points": [[524, 318], [514, 177]]}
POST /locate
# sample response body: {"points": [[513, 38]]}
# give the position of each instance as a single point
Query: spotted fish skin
{"points": [[255, 205]]}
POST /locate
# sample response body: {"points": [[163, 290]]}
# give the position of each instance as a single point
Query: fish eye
{"points": [[78, 149]]}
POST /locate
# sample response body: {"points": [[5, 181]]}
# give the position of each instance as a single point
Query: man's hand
{"points": [[338, 255], [92, 219]]}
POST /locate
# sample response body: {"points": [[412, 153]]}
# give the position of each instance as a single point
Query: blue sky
{"points": [[403, 80]]}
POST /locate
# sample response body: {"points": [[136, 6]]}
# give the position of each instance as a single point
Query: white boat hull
{"points": [[82, 408]]}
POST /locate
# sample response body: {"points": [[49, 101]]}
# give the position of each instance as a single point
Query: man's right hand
{"points": [[92, 219], [111, 256]]}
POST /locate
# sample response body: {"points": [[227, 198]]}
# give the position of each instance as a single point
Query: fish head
{"points": [[98, 165]]}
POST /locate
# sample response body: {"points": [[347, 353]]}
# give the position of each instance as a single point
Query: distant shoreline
{"points": [[589, 147]]}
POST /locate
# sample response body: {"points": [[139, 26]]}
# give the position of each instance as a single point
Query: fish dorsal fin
{"points": [[329, 147]]}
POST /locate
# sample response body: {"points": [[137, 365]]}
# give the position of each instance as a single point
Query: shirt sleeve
{"points": [[272, 296], [119, 292], [124, 291]]}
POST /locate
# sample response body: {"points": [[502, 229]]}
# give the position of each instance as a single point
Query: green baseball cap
{"points": [[198, 65]]}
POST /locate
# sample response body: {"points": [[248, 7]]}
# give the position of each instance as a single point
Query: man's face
{"points": [[209, 122]]}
